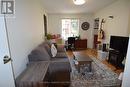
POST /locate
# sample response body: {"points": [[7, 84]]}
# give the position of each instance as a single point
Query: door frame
{"points": [[8, 45]]}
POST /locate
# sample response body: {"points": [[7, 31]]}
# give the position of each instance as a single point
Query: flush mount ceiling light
{"points": [[79, 2]]}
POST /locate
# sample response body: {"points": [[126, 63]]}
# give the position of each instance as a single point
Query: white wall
{"points": [[25, 31], [126, 77], [119, 24], [54, 25], [129, 24]]}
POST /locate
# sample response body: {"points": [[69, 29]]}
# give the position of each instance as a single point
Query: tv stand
{"points": [[116, 58]]}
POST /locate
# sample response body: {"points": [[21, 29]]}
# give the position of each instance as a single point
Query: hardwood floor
{"points": [[92, 52]]}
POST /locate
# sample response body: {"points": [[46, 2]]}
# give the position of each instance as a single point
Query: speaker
{"points": [[104, 47]]}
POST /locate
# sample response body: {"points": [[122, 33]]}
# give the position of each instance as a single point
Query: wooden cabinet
{"points": [[80, 44]]}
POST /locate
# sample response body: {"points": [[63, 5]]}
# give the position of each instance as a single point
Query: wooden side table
{"points": [[80, 44]]}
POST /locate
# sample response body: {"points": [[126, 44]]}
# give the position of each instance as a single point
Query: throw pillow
{"points": [[53, 50], [55, 44]]}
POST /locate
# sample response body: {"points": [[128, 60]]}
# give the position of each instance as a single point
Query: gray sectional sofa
{"points": [[59, 68]]}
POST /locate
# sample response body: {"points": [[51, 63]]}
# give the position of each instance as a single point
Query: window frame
{"points": [[70, 19]]}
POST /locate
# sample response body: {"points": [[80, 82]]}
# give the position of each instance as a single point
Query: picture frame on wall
{"points": [[45, 25], [96, 23]]}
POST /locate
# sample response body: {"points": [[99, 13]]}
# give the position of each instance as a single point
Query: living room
{"points": [[26, 28]]}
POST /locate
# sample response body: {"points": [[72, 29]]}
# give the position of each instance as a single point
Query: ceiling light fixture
{"points": [[79, 2]]}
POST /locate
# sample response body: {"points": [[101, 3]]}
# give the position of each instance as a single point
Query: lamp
{"points": [[79, 2]]}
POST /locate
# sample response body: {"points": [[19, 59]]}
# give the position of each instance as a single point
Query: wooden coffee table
{"points": [[82, 59]]}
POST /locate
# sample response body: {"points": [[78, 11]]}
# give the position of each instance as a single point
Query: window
{"points": [[70, 28]]}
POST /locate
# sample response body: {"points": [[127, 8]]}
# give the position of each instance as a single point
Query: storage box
{"points": [[102, 55]]}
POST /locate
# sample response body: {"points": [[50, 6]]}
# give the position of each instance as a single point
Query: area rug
{"points": [[100, 76]]}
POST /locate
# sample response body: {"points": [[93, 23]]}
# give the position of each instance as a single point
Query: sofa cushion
{"points": [[39, 54], [60, 48], [49, 42], [59, 59], [48, 49], [61, 55], [58, 69]]}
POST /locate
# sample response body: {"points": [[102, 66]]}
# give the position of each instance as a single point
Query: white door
{"points": [[6, 74], [126, 77]]}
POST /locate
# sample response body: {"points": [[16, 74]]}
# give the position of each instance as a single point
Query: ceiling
{"points": [[67, 6]]}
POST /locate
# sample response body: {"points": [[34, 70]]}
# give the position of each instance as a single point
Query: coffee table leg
{"points": [[73, 56], [90, 67], [78, 68]]}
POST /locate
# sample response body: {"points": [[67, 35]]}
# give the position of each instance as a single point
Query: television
{"points": [[119, 43]]}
